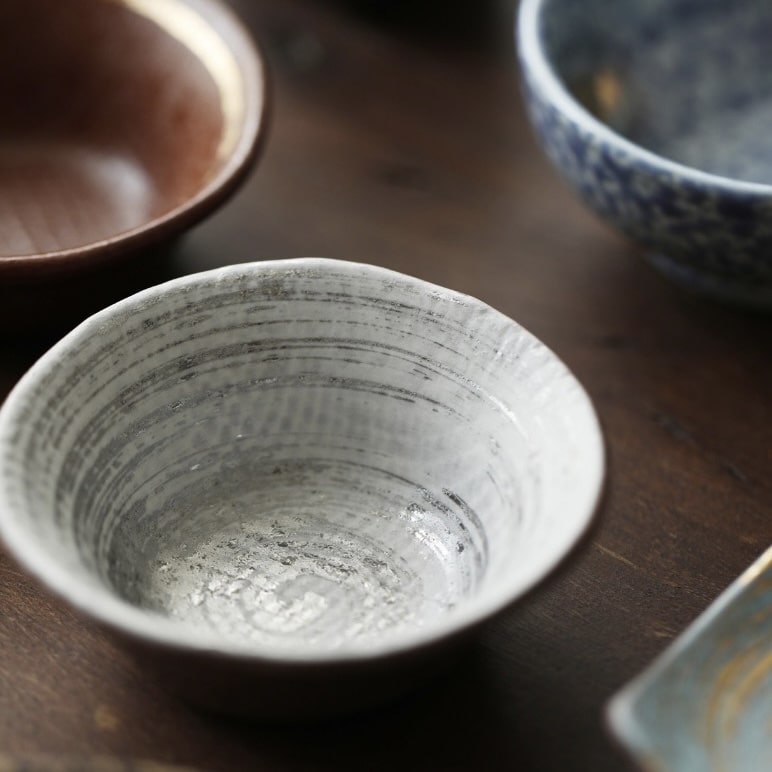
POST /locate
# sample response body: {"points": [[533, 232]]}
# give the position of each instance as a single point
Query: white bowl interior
{"points": [[300, 456]]}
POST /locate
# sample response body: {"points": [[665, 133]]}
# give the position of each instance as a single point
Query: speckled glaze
{"points": [[303, 462], [657, 114], [705, 705]]}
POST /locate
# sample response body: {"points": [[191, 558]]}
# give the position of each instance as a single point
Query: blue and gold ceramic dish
{"points": [[658, 113], [706, 704]]}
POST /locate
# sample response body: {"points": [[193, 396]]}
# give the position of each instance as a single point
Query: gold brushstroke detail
{"points": [[760, 617], [725, 677], [745, 687], [719, 717], [607, 91], [732, 688], [192, 31], [739, 677]]}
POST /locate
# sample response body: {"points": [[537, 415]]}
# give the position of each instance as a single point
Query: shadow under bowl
{"points": [[123, 124], [292, 485], [657, 114]]}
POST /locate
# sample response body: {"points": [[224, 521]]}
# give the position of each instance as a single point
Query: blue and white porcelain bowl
{"points": [[658, 113]]}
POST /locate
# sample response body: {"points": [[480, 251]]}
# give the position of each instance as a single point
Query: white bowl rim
{"points": [[100, 604], [529, 43]]}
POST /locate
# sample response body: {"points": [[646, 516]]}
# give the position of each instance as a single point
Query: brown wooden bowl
{"points": [[123, 123]]}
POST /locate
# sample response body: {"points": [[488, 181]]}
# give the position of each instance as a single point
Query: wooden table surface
{"points": [[406, 146]]}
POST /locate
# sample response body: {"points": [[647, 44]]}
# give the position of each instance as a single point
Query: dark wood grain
{"points": [[409, 149], [42, 762]]}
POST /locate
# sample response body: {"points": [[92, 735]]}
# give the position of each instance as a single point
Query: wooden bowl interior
{"points": [[109, 121]]}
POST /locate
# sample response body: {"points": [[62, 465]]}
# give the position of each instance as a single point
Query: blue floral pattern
{"points": [[707, 232]]}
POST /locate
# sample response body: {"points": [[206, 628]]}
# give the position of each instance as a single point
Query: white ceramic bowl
{"points": [[288, 477]]}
